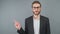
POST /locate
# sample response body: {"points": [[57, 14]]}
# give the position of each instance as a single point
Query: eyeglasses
{"points": [[36, 7]]}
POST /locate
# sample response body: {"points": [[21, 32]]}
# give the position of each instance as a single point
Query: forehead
{"points": [[36, 5]]}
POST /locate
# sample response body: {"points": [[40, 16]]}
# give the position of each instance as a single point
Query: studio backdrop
{"points": [[11, 10]]}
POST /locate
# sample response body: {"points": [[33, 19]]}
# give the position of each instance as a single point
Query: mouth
{"points": [[36, 11]]}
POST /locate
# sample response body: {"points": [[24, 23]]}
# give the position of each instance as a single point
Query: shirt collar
{"points": [[36, 17]]}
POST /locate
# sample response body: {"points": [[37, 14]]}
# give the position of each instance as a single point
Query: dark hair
{"points": [[36, 2]]}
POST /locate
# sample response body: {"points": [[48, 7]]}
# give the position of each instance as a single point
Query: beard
{"points": [[36, 12]]}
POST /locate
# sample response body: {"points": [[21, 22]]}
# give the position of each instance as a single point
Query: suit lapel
{"points": [[31, 25], [41, 22]]}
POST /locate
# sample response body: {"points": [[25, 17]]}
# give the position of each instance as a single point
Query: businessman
{"points": [[35, 24]]}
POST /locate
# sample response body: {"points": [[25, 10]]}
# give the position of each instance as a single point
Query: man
{"points": [[35, 24]]}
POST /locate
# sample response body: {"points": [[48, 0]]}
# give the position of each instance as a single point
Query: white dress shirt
{"points": [[36, 24]]}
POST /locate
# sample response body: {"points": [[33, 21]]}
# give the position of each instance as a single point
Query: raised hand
{"points": [[17, 25]]}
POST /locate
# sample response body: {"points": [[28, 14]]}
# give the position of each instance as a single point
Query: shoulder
{"points": [[29, 18], [44, 18]]}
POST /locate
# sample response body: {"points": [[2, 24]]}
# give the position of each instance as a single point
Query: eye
{"points": [[36, 7]]}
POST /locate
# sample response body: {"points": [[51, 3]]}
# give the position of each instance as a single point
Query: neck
{"points": [[36, 16]]}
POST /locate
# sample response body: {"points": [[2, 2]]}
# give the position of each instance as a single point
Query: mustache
{"points": [[37, 13]]}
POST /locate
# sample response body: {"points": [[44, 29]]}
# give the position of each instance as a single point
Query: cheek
{"points": [[33, 10], [39, 9]]}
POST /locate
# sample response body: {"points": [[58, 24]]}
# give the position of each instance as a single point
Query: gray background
{"points": [[11, 10]]}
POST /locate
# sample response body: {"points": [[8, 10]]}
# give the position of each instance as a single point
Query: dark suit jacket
{"points": [[44, 26]]}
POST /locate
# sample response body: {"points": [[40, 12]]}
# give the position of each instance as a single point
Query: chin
{"points": [[36, 13]]}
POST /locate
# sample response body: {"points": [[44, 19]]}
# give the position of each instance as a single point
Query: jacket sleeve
{"points": [[21, 31], [48, 27]]}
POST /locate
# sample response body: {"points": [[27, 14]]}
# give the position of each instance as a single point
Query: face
{"points": [[36, 9]]}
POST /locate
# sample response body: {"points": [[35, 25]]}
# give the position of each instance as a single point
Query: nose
{"points": [[36, 9]]}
